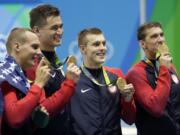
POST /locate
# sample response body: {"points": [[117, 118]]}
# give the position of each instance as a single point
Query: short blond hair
{"points": [[17, 35], [82, 40]]}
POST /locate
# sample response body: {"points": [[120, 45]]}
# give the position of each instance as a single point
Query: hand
{"points": [[127, 92], [42, 73], [165, 59], [73, 72]]}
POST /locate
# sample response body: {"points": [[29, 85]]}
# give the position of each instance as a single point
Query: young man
{"points": [[157, 85], [97, 105], [19, 99], [46, 22]]}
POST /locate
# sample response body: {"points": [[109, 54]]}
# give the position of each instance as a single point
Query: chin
{"points": [[31, 64], [57, 43], [100, 62]]}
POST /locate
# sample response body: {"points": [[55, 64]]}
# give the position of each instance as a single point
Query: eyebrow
{"points": [[156, 34], [57, 25]]}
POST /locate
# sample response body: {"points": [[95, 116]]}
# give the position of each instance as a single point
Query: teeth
{"points": [[57, 37]]}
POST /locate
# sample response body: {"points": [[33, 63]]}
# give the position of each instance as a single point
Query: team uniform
{"points": [[19, 105], [156, 97], [95, 109], [58, 123]]}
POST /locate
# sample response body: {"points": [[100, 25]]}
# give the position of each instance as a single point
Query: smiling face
{"points": [[51, 33], [153, 39], [23, 45], [26, 52], [94, 51]]}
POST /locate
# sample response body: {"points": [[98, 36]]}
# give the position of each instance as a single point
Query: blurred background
{"points": [[118, 19]]}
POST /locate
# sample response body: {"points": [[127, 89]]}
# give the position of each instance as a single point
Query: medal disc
{"points": [[121, 83], [71, 59]]}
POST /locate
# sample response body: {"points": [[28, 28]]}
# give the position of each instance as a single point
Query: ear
{"points": [[142, 44], [17, 47], [35, 29], [82, 48]]}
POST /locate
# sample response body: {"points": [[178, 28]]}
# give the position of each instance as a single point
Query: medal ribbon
{"points": [[106, 78], [155, 67]]}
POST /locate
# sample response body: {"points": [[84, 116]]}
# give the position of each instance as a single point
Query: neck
{"points": [[92, 66], [150, 56], [48, 49], [95, 72]]}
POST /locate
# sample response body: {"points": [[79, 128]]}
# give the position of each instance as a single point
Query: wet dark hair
{"points": [[39, 14], [141, 33]]}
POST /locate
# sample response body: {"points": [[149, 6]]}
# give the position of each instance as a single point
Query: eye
{"points": [[35, 46], [56, 27], [162, 34], [97, 43], [154, 36], [104, 43], [61, 26]]}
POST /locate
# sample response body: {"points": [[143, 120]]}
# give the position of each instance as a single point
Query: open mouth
{"points": [[57, 38], [100, 54]]}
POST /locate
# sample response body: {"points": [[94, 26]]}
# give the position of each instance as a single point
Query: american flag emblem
{"points": [[11, 72]]}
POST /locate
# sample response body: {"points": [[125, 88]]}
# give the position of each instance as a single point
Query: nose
{"points": [[161, 38], [60, 31], [39, 52], [103, 47]]}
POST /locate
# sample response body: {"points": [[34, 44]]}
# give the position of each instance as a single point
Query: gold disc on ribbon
{"points": [[121, 83], [71, 59]]}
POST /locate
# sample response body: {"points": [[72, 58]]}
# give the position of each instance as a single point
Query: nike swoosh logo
{"points": [[85, 90], [52, 75]]}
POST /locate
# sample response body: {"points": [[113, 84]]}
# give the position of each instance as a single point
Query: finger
{"points": [[129, 89], [74, 69], [70, 65]]}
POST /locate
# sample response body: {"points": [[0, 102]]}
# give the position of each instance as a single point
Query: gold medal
{"points": [[162, 49], [121, 83], [46, 62], [175, 79], [71, 59]]}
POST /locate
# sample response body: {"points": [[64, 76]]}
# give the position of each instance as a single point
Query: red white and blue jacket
{"points": [[18, 110], [155, 99], [94, 110]]}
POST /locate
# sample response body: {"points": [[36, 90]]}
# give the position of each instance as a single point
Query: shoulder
{"points": [[116, 71], [137, 69]]}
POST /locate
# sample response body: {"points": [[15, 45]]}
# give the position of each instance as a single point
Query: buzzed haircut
{"points": [[17, 35], [39, 14], [141, 33], [82, 35]]}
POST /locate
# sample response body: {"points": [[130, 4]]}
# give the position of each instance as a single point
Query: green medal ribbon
{"points": [[147, 61], [106, 78]]}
